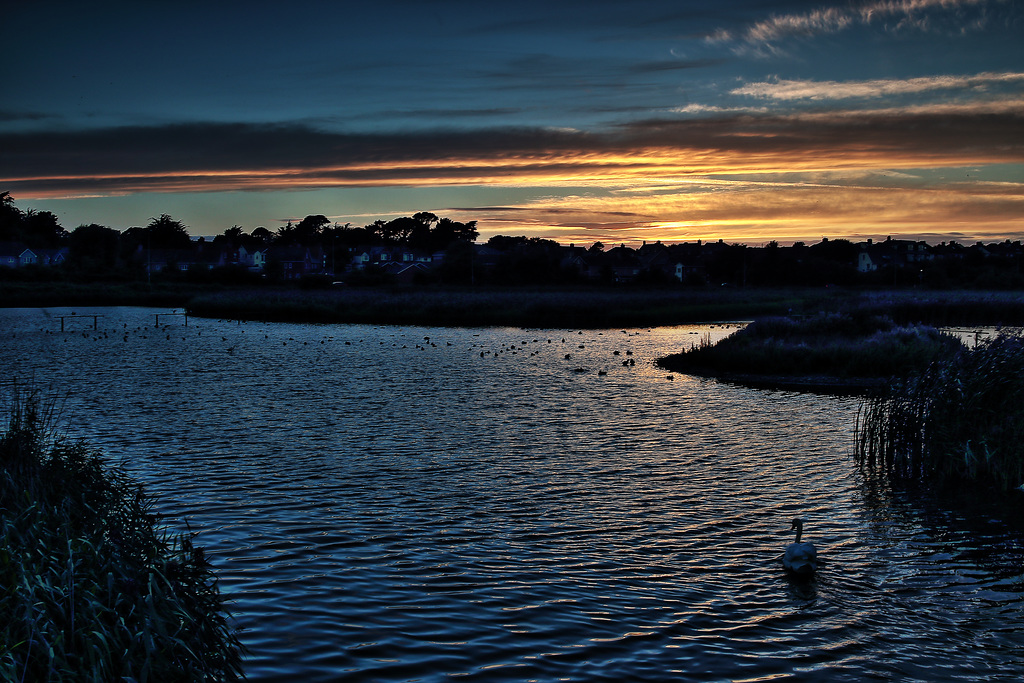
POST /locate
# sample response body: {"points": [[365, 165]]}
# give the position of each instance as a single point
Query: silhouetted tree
{"points": [[10, 218], [532, 261], [37, 229], [347, 236], [308, 231], [426, 218], [506, 242], [263, 235], [376, 230], [42, 229], [93, 248], [400, 230], [447, 231], [285, 235], [165, 232], [728, 264]]}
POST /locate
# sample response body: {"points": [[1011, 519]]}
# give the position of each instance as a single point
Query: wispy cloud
{"points": [[754, 212], [764, 35], [875, 88], [218, 157]]}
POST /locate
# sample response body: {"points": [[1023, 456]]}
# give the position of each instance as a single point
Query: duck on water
{"points": [[800, 559]]}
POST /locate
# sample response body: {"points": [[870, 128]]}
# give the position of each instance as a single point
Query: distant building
{"points": [[16, 255]]}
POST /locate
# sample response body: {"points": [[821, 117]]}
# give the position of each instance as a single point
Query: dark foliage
{"points": [[960, 421], [91, 587]]}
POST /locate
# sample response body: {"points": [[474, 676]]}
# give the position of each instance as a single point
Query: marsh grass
{"points": [[945, 308], [44, 294], [523, 307], [959, 421], [842, 346], [92, 588]]}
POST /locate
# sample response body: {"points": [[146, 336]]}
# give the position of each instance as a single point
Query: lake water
{"points": [[420, 504]]}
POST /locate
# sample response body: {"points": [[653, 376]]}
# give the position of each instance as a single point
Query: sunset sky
{"points": [[743, 120]]}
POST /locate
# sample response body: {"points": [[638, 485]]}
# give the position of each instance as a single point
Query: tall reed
{"points": [[958, 421], [838, 345], [92, 588]]}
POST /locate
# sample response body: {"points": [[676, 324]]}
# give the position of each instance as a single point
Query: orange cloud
{"points": [[756, 212], [737, 177]]}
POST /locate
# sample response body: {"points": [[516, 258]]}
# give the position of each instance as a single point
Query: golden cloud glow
{"points": [[756, 212], [640, 166], [834, 90], [743, 178]]}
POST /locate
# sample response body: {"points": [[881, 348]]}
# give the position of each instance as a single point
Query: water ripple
{"points": [[382, 506]]}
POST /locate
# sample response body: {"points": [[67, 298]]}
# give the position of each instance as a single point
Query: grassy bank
{"points": [[579, 307], [48, 294], [599, 307], [943, 308], [575, 308], [827, 351], [91, 588], [960, 421]]}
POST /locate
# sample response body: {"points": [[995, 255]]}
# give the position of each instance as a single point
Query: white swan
{"points": [[800, 559]]}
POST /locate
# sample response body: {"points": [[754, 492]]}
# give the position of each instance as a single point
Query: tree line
{"points": [[99, 252], [96, 248]]}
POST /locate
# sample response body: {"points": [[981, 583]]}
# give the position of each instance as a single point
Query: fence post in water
{"points": [[95, 320]]}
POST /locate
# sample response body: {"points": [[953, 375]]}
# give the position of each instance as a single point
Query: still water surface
{"points": [[409, 503]]}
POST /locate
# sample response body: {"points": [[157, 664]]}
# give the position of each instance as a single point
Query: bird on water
{"points": [[800, 559]]}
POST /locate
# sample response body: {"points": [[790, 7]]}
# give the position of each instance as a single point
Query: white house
{"points": [[16, 255]]}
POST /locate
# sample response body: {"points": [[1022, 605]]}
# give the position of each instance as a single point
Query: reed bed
{"points": [[945, 308], [92, 588], [840, 346], [960, 421]]}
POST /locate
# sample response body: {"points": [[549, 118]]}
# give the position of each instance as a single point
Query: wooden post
{"points": [[95, 320]]}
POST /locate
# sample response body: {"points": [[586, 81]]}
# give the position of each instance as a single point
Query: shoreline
{"points": [[813, 384], [570, 307]]}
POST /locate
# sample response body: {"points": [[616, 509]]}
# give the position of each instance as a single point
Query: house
{"points": [[381, 256], [163, 260], [370, 256], [405, 272], [16, 255], [899, 253], [296, 262], [656, 258], [575, 258], [243, 257], [52, 257], [865, 261], [622, 262], [255, 259]]}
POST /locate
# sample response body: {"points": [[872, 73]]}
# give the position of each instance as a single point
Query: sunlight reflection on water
{"points": [[504, 504]]}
